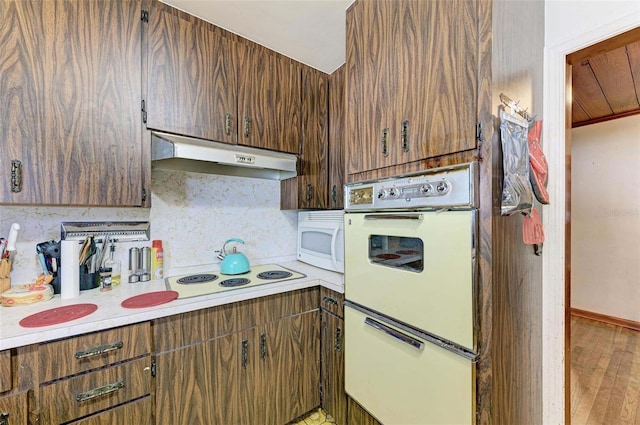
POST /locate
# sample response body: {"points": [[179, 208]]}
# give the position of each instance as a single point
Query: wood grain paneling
{"points": [[6, 376], [71, 101], [359, 416], [332, 301], [619, 90], [334, 398], [22, 99], [191, 76], [137, 412], [336, 138], [59, 402], [59, 357], [414, 62], [16, 406], [269, 96], [275, 307]]}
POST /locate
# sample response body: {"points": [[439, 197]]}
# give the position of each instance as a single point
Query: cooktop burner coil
{"points": [[274, 274], [197, 278], [234, 281]]}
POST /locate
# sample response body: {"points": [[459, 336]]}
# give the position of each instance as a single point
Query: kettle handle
{"points": [[224, 251]]}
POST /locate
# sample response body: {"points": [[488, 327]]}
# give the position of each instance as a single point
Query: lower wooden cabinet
{"points": [[5, 371], [137, 412], [266, 374], [359, 416], [334, 399], [13, 409]]}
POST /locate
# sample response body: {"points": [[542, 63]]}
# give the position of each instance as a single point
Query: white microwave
{"points": [[321, 239]]}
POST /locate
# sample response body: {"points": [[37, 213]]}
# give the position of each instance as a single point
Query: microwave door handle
{"points": [[334, 240]]}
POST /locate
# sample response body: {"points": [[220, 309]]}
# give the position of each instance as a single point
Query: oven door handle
{"points": [[412, 217], [394, 333]]}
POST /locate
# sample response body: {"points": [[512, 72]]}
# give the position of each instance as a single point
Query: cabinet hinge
{"points": [[144, 112], [144, 16], [153, 368], [479, 132], [144, 194]]}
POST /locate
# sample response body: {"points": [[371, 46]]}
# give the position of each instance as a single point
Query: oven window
{"points": [[397, 252]]}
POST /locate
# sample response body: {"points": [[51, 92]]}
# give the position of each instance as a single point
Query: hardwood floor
{"points": [[605, 373]]}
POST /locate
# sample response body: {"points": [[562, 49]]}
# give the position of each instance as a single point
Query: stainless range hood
{"points": [[202, 156]]}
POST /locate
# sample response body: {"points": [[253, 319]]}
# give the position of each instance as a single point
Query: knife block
{"points": [[5, 275]]}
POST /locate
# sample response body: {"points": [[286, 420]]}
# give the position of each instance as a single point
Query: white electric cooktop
{"points": [[192, 285]]}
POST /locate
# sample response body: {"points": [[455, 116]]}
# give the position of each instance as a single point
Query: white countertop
{"points": [[111, 314]]}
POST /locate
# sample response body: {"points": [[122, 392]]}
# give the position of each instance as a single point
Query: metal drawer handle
{"points": [[329, 300], [404, 135], [414, 217], [95, 351], [263, 346], [394, 333], [4, 418], [338, 340], [385, 142], [247, 125], [16, 176], [100, 391], [245, 353]]}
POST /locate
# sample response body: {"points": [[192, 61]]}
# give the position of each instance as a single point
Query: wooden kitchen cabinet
{"points": [[261, 365], [309, 189], [336, 138], [334, 398], [269, 99], [191, 76], [80, 376], [412, 72], [136, 412], [6, 375], [13, 409], [70, 103]]}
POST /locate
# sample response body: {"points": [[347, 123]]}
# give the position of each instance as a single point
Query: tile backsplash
{"points": [[193, 214]]}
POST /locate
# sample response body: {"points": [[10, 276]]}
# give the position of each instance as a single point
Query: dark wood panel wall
{"points": [[517, 71]]}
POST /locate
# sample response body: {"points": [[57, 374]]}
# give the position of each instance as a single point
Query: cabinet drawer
{"points": [[14, 408], [137, 412], [331, 301], [85, 394], [5, 371], [80, 354]]}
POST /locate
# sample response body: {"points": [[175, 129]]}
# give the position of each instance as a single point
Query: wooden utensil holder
{"points": [[5, 275]]}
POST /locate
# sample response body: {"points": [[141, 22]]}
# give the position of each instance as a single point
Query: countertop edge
{"points": [[130, 316]]}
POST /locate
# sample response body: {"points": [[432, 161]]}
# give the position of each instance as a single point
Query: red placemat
{"points": [[58, 315], [149, 299]]}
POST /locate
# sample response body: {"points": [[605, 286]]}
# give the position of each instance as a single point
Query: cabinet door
{"points": [[6, 377], [269, 99], [13, 409], [412, 70], [289, 368], [369, 27], [436, 80], [191, 76], [336, 138], [334, 399], [137, 412], [70, 98]]}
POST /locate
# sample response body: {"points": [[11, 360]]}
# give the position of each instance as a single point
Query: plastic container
{"points": [[157, 260]]}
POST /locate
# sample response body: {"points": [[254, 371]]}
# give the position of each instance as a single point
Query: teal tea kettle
{"points": [[235, 262]]}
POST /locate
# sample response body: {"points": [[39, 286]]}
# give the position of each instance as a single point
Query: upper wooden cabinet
{"points": [[412, 73], [269, 99], [70, 121], [191, 76], [336, 139]]}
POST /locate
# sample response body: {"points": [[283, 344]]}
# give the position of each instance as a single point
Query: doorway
{"points": [[560, 44], [595, 93]]}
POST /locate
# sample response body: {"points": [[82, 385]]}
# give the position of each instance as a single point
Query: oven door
{"points": [[402, 378], [415, 267]]}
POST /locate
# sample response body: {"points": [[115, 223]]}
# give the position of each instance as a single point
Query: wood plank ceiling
{"points": [[606, 80]]}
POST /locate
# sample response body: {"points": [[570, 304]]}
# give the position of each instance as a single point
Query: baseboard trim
{"points": [[606, 319]]}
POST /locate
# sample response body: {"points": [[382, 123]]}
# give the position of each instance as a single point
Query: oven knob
{"points": [[382, 193], [426, 189], [394, 193], [442, 188]]}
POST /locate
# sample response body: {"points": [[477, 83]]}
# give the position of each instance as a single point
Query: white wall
{"points": [[569, 26], [605, 218], [192, 213]]}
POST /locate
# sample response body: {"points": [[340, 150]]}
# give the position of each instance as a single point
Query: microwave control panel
{"points": [[438, 188]]}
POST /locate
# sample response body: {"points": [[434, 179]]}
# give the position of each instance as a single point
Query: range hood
{"points": [[173, 152]]}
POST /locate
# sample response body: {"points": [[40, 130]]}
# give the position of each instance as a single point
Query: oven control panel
{"points": [[438, 188]]}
